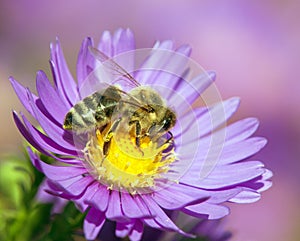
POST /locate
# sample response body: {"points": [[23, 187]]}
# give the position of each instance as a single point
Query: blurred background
{"points": [[254, 46]]}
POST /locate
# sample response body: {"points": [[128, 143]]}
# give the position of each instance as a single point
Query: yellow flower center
{"points": [[125, 165]]}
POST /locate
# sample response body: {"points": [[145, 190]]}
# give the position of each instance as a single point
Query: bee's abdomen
{"points": [[93, 111]]}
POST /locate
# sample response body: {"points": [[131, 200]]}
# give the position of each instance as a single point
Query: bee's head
{"points": [[164, 124]]}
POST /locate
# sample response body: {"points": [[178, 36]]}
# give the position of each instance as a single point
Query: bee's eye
{"points": [[166, 124]]}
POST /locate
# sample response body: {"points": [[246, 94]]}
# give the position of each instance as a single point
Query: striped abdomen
{"points": [[93, 111]]}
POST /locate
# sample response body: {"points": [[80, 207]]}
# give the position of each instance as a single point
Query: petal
{"points": [[177, 196], [222, 154], [87, 195], [241, 130], [114, 211], [160, 218], [93, 223], [210, 118], [64, 81], [217, 115], [172, 72], [241, 150], [211, 210], [85, 61], [45, 142], [37, 145], [50, 98], [130, 207], [224, 176], [56, 173], [21, 92], [44, 197], [246, 196], [123, 41], [100, 199], [58, 134], [75, 186], [220, 196], [137, 231], [158, 58], [105, 44], [190, 91], [123, 229]]}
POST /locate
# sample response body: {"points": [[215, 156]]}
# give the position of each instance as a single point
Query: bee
{"points": [[141, 109]]}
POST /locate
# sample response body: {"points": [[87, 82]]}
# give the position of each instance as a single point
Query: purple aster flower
{"points": [[138, 163], [210, 230]]}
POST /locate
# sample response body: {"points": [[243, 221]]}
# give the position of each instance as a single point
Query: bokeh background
{"points": [[254, 46]]}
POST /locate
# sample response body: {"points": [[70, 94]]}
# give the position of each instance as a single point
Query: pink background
{"points": [[254, 46]]}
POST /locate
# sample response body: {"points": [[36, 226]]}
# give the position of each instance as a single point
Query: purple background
{"points": [[254, 46]]}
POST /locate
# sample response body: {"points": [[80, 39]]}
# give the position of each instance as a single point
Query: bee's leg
{"points": [[108, 137], [137, 134], [171, 138], [168, 142], [106, 148], [112, 129]]}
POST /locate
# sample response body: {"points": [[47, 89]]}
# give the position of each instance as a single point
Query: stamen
{"points": [[127, 166]]}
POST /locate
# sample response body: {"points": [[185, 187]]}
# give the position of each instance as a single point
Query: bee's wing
{"points": [[112, 65], [131, 100]]}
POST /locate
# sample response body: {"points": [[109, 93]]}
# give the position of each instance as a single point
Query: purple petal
{"points": [[241, 130], [170, 73], [211, 210], [123, 229], [218, 115], [26, 134], [105, 44], [114, 211], [58, 134], [131, 208], [21, 92], [64, 81], [241, 150], [56, 173], [177, 196], [100, 199], [77, 185], [224, 176], [160, 217], [44, 197], [227, 154], [220, 196], [211, 118], [50, 99], [37, 145], [156, 61], [246, 196], [266, 184], [85, 61], [192, 90], [235, 132], [123, 41], [45, 142], [93, 223], [87, 195], [137, 231]]}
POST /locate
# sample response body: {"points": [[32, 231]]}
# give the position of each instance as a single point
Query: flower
{"points": [[210, 230], [115, 172]]}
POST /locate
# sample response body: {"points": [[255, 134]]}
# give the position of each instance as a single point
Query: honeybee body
{"points": [[96, 110], [142, 112]]}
